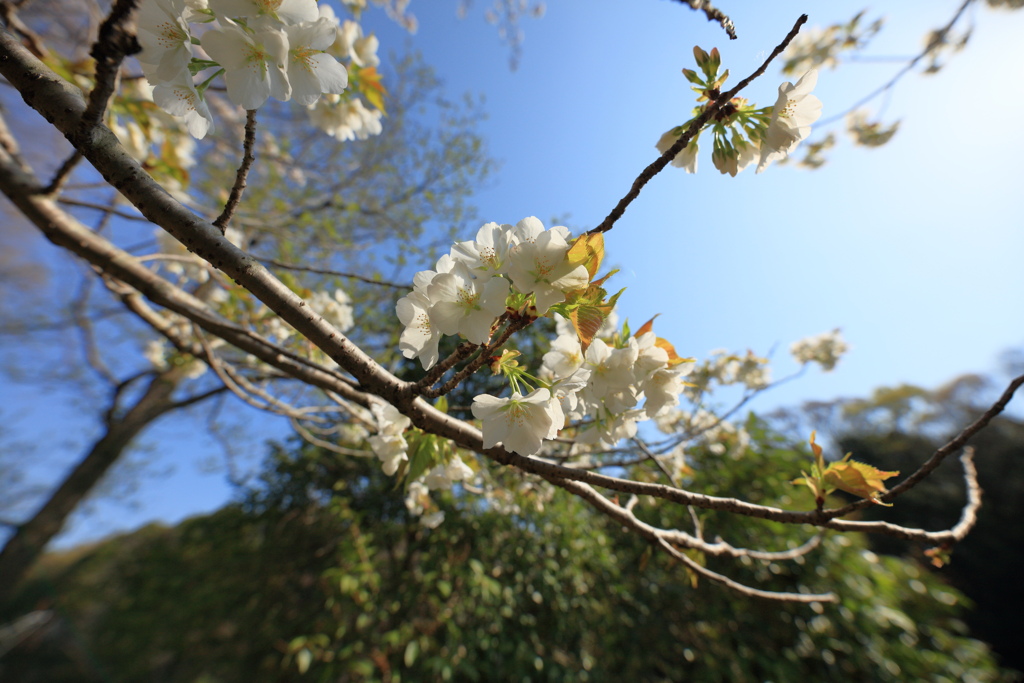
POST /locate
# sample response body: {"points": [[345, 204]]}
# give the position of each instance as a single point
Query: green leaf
{"points": [[857, 478], [423, 455]]}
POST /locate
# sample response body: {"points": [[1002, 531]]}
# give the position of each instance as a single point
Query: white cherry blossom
{"points": [[254, 64], [486, 256], [662, 389], [443, 476], [825, 349], [794, 112], [540, 266], [179, 97], [345, 119], [285, 11], [165, 39], [520, 423], [460, 304], [311, 72], [565, 356], [336, 308], [352, 45], [420, 337], [388, 444]]}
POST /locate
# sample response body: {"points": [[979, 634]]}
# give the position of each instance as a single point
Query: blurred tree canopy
{"points": [[321, 569], [898, 428]]}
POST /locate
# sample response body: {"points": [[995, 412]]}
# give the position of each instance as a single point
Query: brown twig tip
{"points": [[713, 14]]}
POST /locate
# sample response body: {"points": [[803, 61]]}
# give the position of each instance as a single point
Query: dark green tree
{"points": [[898, 428], [320, 569]]}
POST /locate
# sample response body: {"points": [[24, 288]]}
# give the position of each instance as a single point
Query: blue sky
{"points": [[913, 249]]}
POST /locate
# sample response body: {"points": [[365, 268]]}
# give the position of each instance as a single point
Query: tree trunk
{"points": [[31, 538]]}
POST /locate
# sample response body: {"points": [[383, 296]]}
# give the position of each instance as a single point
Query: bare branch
{"points": [[116, 41], [332, 273], [327, 445], [482, 359], [248, 157], [665, 539], [107, 209], [744, 589], [32, 41], [713, 15]]}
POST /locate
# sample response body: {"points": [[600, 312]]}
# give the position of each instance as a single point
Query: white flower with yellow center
{"points": [[792, 116], [463, 305], [486, 256], [254, 64], [165, 40], [420, 337], [520, 423], [311, 72], [540, 266]]}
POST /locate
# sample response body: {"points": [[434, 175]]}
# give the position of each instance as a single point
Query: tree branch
{"points": [[248, 157], [713, 15], [951, 446], [332, 273]]}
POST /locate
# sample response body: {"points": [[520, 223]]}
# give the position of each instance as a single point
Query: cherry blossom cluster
{"points": [[824, 349], [472, 286], [604, 385], [602, 388], [744, 134], [263, 48], [346, 117]]}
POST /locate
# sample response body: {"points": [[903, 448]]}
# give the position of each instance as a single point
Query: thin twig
{"points": [[951, 446], [248, 157], [327, 271], [461, 353], [116, 40], [713, 15], [650, 456], [742, 588], [29, 37], [63, 173], [102, 207], [83, 324], [480, 360], [695, 126], [665, 539], [327, 445]]}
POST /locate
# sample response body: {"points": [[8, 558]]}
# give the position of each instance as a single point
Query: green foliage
{"points": [[900, 428], [320, 569], [985, 565]]}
